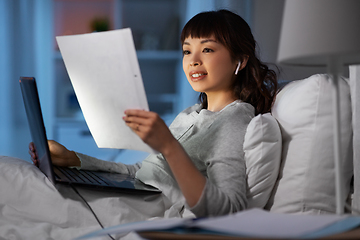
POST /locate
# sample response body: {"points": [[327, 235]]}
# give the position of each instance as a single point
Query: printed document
{"points": [[253, 223], [105, 74]]}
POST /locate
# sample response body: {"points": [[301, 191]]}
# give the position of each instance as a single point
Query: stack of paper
{"points": [[251, 223]]}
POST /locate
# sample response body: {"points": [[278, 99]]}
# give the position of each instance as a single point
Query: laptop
{"points": [[62, 175]]}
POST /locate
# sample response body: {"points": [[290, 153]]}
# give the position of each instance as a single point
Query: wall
{"points": [[266, 26]]}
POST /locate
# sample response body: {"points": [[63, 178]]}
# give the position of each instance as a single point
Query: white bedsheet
{"points": [[32, 208]]}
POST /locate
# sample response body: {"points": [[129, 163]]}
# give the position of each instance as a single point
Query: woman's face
{"points": [[208, 65]]}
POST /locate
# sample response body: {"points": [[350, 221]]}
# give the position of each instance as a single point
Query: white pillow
{"points": [[303, 110], [262, 147]]}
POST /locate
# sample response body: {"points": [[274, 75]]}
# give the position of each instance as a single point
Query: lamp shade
{"points": [[314, 30]]}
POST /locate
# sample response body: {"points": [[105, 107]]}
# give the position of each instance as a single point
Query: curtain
{"points": [[26, 50]]}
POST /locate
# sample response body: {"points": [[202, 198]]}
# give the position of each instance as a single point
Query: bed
{"points": [[289, 169]]}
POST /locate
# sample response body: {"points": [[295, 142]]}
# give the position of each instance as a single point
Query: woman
{"points": [[200, 168], [201, 156]]}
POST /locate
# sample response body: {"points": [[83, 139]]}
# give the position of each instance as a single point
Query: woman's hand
{"points": [[60, 155], [150, 128]]}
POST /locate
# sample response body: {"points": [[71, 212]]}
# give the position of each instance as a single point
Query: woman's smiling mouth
{"points": [[195, 76]]}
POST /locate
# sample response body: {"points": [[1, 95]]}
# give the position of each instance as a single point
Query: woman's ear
{"points": [[244, 61]]}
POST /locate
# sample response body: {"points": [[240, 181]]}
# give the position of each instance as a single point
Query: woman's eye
{"points": [[206, 50], [186, 52]]}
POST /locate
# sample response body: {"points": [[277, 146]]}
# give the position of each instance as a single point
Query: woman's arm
{"points": [[214, 143], [189, 178], [153, 131], [95, 164]]}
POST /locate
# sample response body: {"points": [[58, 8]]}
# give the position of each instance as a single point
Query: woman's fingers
{"points": [[134, 126], [135, 120], [139, 120], [33, 155], [138, 113], [33, 158], [138, 116]]}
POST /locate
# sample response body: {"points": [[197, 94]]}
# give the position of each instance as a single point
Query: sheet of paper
{"points": [[262, 224], [105, 74]]}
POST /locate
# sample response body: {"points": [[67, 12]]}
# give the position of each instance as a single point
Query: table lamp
{"points": [[323, 33]]}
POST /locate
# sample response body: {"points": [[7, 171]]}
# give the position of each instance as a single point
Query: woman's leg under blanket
{"points": [[30, 206]]}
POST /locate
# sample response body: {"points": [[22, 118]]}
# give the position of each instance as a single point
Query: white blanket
{"points": [[32, 208]]}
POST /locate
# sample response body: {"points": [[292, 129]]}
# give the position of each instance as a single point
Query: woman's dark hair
{"points": [[256, 83]]}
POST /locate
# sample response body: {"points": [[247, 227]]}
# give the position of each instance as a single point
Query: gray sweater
{"points": [[214, 142]]}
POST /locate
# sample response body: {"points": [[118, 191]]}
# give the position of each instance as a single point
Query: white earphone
{"points": [[238, 67]]}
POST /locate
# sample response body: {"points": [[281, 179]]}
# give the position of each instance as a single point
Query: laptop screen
{"points": [[36, 125]]}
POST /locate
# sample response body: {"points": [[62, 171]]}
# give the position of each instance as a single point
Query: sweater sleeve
{"points": [[225, 189], [91, 163]]}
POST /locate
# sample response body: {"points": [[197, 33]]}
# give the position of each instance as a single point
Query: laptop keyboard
{"points": [[82, 176]]}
